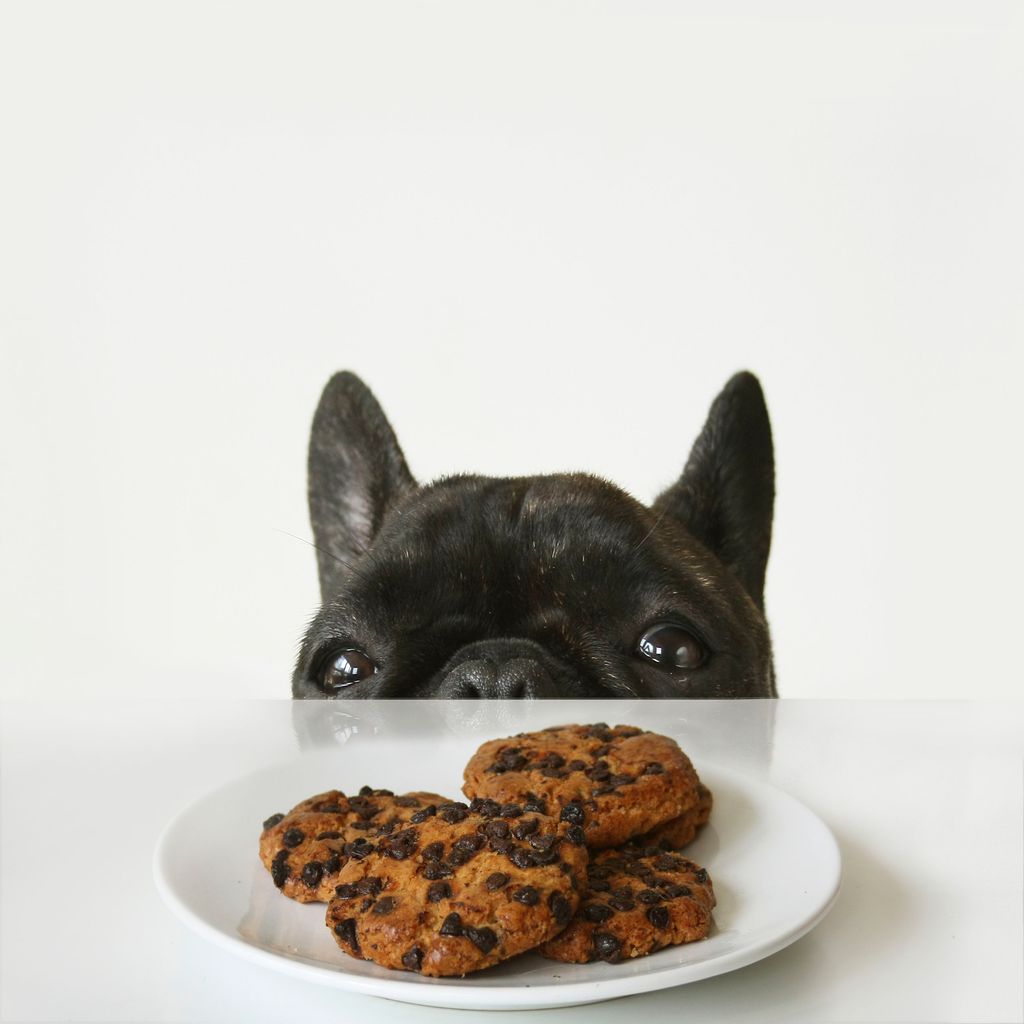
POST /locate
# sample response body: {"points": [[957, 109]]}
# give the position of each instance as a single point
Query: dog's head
{"points": [[546, 586]]}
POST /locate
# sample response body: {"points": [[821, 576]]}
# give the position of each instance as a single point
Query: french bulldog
{"points": [[556, 586]]}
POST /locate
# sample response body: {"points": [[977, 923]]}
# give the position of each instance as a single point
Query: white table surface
{"points": [[926, 800]]}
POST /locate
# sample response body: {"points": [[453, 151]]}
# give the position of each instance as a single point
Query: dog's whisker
{"points": [[647, 536], [329, 554]]}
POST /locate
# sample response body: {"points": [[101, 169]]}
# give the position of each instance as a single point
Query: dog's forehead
{"points": [[524, 511]]}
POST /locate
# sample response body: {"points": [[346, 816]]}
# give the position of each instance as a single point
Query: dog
{"points": [[556, 586]]}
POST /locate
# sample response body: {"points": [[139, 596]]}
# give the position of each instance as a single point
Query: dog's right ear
{"points": [[726, 493], [356, 470]]}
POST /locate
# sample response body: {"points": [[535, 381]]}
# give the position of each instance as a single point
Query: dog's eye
{"points": [[348, 667], [670, 646]]}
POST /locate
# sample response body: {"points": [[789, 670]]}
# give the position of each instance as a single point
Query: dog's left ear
{"points": [[726, 493], [356, 471]]}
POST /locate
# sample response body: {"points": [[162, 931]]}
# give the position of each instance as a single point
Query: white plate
{"points": [[775, 866]]}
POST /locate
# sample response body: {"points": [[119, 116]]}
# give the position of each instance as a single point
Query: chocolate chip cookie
{"points": [[638, 900], [306, 848], [679, 832], [462, 890], [611, 783]]}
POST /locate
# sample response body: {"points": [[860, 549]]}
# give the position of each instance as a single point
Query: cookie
{"points": [[638, 900], [679, 832], [305, 849], [613, 783], [465, 889]]}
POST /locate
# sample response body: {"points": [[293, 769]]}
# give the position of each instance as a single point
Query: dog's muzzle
{"points": [[500, 670]]}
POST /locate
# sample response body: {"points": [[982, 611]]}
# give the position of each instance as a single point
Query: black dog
{"points": [[546, 586]]}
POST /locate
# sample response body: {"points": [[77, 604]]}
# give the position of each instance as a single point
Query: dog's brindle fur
{"points": [[537, 586]]}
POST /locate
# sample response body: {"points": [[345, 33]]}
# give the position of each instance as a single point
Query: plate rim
{"points": [[460, 993]]}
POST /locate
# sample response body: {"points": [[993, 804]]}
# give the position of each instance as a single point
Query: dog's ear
{"points": [[726, 493], [356, 470]]}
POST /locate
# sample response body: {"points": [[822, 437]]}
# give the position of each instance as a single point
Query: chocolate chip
{"points": [[561, 908], [602, 751], [673, 892], [701, 876], [511, 760], [470, 844], [624, 731], [649, 896], [453, 813], [432, 851], [413, 960], [621, 903], [554, 773], [329, 835], [658, 916], [501, 845], [421, 816], [369, 886], [359, 848], [520, 857], [599, 885], [496, 881], [385, 905], [364, 808], [654, 768], [333, 864], [489, 809], [606, 947], [496, 829], [386, 829], [438, 891], [597, 912], [406, 801], [553, 760], [451, 925], [576, 766], [274, 819], [366, 904], [402, 845], [365, 791], [483, 938], [667, 863], [525, 828], [572, 812], [576, 835], [347, 930], [346, 891], [535, 803], [279, 870], [527, 895], [293, 837], [330, 809], [432, 872], [539, 857], [511, 810], [312, 873], [459, 856], [543, 843], [621, 780]]}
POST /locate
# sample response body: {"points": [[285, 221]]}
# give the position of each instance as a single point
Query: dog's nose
{"points": [[516, 679]]}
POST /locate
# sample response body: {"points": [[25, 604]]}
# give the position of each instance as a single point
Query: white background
{"points": [[545, 234]]}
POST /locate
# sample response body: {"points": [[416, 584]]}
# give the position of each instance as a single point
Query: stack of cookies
{"points": [[569, 845]]}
